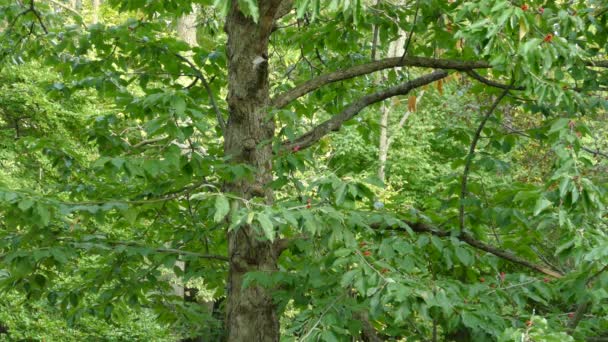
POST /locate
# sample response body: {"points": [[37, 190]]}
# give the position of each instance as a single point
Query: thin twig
{"points": [[469, 160], [200, 75], [159, 250], [473, 74], [409, 37], [37, 15], [421, 227], [321, 317]]}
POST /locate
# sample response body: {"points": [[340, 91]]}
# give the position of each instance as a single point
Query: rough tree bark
{"points": [[250, 313]]}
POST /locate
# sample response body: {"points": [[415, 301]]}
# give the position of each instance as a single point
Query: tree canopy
{"points": [[304, 170]]}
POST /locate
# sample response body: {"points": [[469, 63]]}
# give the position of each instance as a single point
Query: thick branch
{"points": [[284, 99], [354, 108]]}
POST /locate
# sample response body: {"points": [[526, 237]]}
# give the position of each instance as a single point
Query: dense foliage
{"points": [[127, 182]]}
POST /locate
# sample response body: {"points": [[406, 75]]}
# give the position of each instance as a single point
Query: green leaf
{"points": [[290, 218], [558, 125], [250, 8], [43, 214], [340, 194], [223, 6], [25, 204], [266, 224], [564, 187], [464, 256], [342, 252], [301, 8], [541, 204], [222, 207], [179, 105], [348, 277]]}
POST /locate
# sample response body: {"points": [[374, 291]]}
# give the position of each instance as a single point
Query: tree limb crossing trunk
{"points": [[250, 313]]}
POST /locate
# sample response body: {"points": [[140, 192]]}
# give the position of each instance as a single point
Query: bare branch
{"points": [[354, 108], [284, 99], [374, 42], [470, 240], [581, 309], [596, 275]]}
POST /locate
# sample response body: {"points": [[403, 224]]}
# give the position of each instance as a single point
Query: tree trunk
{"points": [[186, 31], [76, 4], [383, 145], [95, 9], [395, 50], [250, 313], [186, 26]]}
